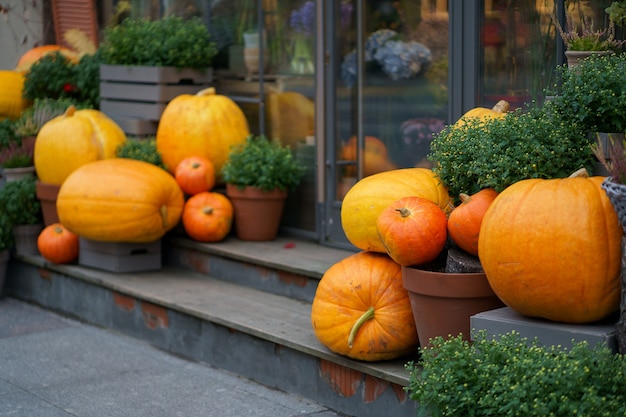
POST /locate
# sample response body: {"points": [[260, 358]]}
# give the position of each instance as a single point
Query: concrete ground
{"points": [[53, 366]]}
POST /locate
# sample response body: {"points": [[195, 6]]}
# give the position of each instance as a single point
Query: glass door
{"points": [[387, 92]]}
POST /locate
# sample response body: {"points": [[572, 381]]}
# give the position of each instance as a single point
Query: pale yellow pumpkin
{"points": [[120, 200], [11, 101], [206, 124], [365, 201], [72, 140]]}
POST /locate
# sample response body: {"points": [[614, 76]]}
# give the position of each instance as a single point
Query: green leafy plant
{"points": [[19, 202], [496, 153], [512, 376], [141, 150], [12, 149], [262, 163], [593, 95], [6, 234], [56, 77], [170, 41], [617, 12]]}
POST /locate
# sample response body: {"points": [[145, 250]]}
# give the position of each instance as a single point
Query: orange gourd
{"points": [[364, 202], [72, 140], [120, 200], [465, 220], [375, 156], [361, 310], [206, 124], [208, 217], [552, 249], [195, 174], [57, 244], [413, 230]]}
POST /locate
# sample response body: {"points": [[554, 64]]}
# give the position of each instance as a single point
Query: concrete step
{"points": [[240, 306]]}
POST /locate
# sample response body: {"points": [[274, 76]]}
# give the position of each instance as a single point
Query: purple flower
{"points": [[346, 14], [302, 20]]}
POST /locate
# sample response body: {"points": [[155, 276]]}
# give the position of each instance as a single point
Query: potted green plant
{"points": [[142, 150], [16, 155], [509, 375], [586, 40], [146, 63], [22, 210], [260, 171]]}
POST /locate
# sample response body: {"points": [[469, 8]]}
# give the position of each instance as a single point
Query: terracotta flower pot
{"points": [[257, 212], [443, 302], [47, 195]]}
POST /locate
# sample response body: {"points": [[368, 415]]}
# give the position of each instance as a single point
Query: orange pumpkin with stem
{"points": [[208, 217], [552, 249], [413, 230], [195, 174], [465, 220], [57, 244], [361, 310]]}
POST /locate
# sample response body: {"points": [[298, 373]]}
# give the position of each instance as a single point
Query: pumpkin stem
{"points": [[210, 91], [207, 210], [69, 112], [404, 212], [163, 212], [581, 173], [501, 106], [369, 314], [465, 198], [196, 165]]}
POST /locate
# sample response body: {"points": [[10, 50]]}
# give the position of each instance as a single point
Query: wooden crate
{"points": [[120, 256]]}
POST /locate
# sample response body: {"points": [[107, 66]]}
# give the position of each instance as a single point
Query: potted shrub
{"points": [[142, 150], [16, 155], [168, 57], [512, 376], [20, 206], [260, 171]]}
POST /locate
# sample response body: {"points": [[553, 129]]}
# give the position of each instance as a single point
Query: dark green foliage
{"points": [[141, 150], [6, 234], [499, 152], [264, 164], [170, 41], [515, 377], [19, 203]]}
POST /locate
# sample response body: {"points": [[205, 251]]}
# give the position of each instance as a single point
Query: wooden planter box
{"points": [[120, 256], [135, 96]]}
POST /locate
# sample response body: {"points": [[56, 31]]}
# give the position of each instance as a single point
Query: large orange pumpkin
{"points": [[206, 124], [120, 200], [361, 310], [364, 202], [35, 54], [72, 140], [375, 156], [208, 217], [57, 244], [465, 220], [552, 249], [413, 230]]}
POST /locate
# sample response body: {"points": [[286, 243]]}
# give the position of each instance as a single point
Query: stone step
{"points": [[240, 306]]}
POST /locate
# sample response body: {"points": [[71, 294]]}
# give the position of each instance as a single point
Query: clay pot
{"points": [[257, 212], [47, 195], [443, 302]]}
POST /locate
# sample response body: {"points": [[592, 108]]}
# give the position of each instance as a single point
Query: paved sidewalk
{"points": [[51, 366]]}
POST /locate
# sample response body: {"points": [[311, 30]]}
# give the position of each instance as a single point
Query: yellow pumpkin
{"points": [[499, 110], [290, 117], [72, 140], [120, 200], [365, 201], [375, 156], [552, 249], [206, 124], [11, 101]]}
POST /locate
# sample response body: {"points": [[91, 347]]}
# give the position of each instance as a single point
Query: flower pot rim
{"points": [[248, 191], [446, 284]]}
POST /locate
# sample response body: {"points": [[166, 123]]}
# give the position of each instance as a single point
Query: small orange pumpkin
{"points": [[208, 216], [465, 220], [195, 174], [552, 249], [361, 309], [375, 156], [413, 230], [57, 244]]}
